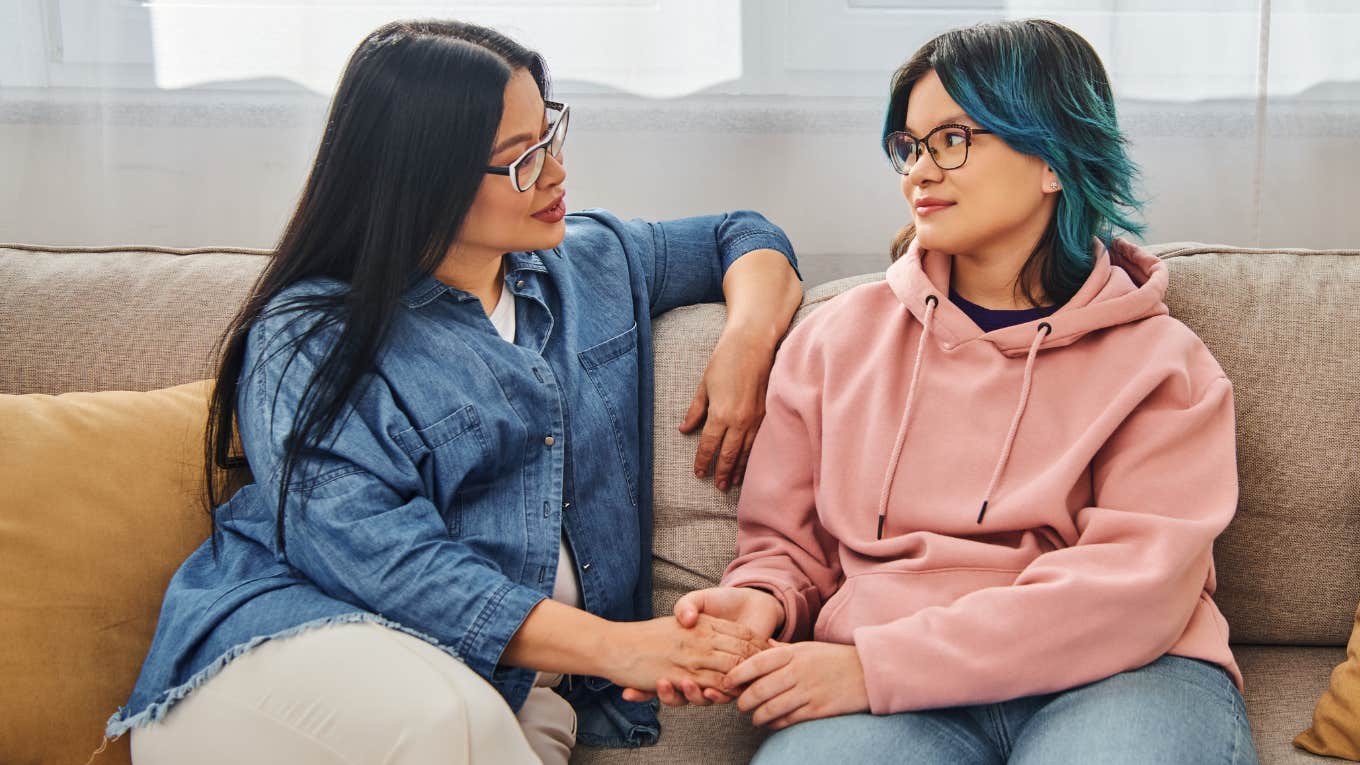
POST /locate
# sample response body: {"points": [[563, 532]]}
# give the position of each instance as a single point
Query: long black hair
{"points": [[403, 153]]}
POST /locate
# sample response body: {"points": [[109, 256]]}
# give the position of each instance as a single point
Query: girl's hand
{"points": [[793, 682]]}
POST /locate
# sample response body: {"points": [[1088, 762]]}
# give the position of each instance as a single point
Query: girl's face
{"points": [[997, 203], [503, 219]]}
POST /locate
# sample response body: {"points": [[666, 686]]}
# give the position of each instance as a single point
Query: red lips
{"points": [[553, 212]]}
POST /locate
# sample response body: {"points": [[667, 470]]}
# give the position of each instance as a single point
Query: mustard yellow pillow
{"points": [[1336, 720], [100, 501]]}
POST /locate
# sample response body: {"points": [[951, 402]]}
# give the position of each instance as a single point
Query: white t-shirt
{"points": [[566, 588]]}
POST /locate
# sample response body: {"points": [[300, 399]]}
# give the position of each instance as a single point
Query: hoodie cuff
{"points": [[891, 684], [797, 616]]}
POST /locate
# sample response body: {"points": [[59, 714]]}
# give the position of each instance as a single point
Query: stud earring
{"points": [[1053, 185]]}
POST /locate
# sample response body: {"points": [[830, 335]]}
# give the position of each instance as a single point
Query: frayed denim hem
{"points": [[124, 720]]}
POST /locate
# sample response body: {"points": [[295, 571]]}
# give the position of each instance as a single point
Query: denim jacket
{"points": [[438, 502]]}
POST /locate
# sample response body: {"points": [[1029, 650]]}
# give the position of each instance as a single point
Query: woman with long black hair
{"points": [[442, 386]]}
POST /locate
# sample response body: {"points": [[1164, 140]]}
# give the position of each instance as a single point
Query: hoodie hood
{"points": [[1126, 284]]}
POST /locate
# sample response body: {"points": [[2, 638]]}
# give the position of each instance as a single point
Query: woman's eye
{"points": [[954, 138]]}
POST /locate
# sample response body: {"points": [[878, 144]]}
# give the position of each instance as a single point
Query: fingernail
{"points": [[722, 485], [698, 474]]}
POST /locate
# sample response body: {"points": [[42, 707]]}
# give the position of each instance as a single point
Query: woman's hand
{"points": [[762, 292], [792, 682], [730, 404], [643, 653]]}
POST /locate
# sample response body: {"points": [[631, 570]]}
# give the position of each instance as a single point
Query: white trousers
{"points": [[355, 694]]}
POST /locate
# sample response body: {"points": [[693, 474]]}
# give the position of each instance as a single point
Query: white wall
{"points": [[155, 124]]}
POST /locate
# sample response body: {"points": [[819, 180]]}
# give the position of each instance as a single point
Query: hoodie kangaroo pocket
{"points": [[829, 626], [878, 597]]}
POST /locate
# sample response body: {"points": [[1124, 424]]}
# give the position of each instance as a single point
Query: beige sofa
{"points": [[1284, 324]]}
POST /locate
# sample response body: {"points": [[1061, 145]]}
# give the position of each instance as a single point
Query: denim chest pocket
{"points": [[613, 368], [453, 446]]}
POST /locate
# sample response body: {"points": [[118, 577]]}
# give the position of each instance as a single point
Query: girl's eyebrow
{"points": [[960, 117]]}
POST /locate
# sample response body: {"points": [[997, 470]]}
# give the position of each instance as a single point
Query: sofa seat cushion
{"points": [[1283, 683]]}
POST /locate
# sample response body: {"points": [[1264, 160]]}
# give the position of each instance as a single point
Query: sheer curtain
{"points": [[192, 123]]}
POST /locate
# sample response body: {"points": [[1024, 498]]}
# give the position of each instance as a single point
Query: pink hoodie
{"points": [[1047, 495]]}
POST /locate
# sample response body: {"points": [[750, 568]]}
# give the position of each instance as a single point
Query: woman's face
{"points": [[998, 202], [503, 219]]}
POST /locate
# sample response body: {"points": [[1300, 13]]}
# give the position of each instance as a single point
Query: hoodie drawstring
{"points": [[926, 323], [1044, 330]]}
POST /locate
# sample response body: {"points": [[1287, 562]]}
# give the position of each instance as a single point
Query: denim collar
{"points": [[426, 289]]}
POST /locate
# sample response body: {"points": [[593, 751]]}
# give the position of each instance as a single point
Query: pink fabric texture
{"points": [[989, 516]]}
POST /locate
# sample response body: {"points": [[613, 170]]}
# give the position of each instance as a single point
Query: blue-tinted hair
{"points": [[1042, 89]]}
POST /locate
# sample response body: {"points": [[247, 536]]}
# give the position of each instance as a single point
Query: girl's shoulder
{"points": [[832, 309]]}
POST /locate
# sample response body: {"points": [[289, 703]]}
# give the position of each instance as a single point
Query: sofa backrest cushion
{"points": [[1285, 325], [76, 319]]}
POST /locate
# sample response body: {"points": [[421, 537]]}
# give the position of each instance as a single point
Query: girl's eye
{"points": [[953, 138]]}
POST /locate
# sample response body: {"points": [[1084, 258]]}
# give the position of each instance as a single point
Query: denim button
{"points": [[520, 284], [566, 505], [549, 440], [585, 567]]}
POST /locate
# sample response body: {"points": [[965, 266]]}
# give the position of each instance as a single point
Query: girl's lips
{"points": [[554, 212], [927, 209]]}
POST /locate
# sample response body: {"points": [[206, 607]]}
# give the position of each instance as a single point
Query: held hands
{"points": [[757, 610], [650, 652], [784, 684]]}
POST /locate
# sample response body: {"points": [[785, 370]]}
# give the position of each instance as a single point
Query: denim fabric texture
{"points": [[1174, 710]]}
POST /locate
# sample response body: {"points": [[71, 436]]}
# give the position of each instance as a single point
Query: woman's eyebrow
{"points": [[519, 138], [511, 141]]}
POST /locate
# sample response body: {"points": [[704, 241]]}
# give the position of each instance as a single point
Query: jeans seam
{"points": [[1237, 737], [998, 722], [967, 742]]}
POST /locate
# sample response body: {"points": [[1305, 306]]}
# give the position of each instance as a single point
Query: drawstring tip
{"points": [[881, 519], [983, 511]]}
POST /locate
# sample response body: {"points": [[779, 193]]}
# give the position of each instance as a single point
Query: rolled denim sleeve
{"points": [[368, 534], [684, 260]]}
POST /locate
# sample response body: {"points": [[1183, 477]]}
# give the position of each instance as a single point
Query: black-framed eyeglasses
{"points": [[524, 171], [947, 145]]}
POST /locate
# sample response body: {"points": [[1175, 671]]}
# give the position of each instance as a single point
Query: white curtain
{"points": [[192, 123]]}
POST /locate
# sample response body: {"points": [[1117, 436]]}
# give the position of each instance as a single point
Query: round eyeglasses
{"points": [[524, 171], [946, 144]]}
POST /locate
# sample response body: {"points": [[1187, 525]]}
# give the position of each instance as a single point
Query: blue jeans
{"points": [[1174, 710]]}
